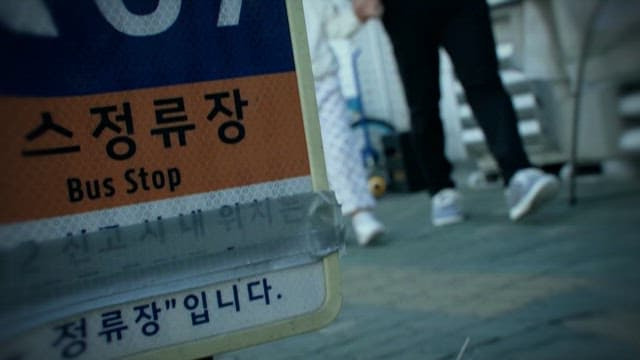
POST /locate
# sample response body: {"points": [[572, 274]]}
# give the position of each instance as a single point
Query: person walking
{"points": [[417, 30], [327, 19]]}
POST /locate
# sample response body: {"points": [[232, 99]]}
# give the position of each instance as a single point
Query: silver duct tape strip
{"points": [[46, 229], [45, 281]]}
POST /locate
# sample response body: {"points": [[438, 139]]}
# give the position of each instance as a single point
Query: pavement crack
{"points": [[558, 321], [588, 314]]}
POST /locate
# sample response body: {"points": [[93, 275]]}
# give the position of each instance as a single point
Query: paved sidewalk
{"points": [[562, 284]]}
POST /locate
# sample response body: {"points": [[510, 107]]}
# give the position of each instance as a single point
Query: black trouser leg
{"points": [[468, 39], [416, 51]]}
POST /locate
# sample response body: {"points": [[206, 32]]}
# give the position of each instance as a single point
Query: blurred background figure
{"points": [[417, 30], [327, 19]]}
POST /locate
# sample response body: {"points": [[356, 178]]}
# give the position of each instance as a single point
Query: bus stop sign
{"points": [[163, 189]]}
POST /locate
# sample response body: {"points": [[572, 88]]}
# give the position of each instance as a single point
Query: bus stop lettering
{"points": [[136, 180]]}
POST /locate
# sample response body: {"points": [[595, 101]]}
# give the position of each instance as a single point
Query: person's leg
{"points": [[412, 26], [468, 39], [345, 168]]}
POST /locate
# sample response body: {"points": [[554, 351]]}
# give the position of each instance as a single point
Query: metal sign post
{"points": [[165, 190]]}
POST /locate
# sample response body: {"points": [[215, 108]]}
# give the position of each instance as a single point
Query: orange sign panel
{"points": [[68, 155]]}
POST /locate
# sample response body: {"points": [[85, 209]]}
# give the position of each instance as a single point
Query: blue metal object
{"points": [[370, 156]]}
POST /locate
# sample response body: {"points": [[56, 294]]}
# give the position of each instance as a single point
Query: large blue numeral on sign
{"points": [[35, 18], [161, 18]]}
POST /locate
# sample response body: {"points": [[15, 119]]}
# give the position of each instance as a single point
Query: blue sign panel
{"points": [[100, 46]]}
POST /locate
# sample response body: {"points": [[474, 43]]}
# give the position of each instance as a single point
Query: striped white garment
{"points": [[345, 167]]}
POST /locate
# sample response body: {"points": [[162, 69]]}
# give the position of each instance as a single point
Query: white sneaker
{"points": [[528, 189], [446, 207], [366, 227]]}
